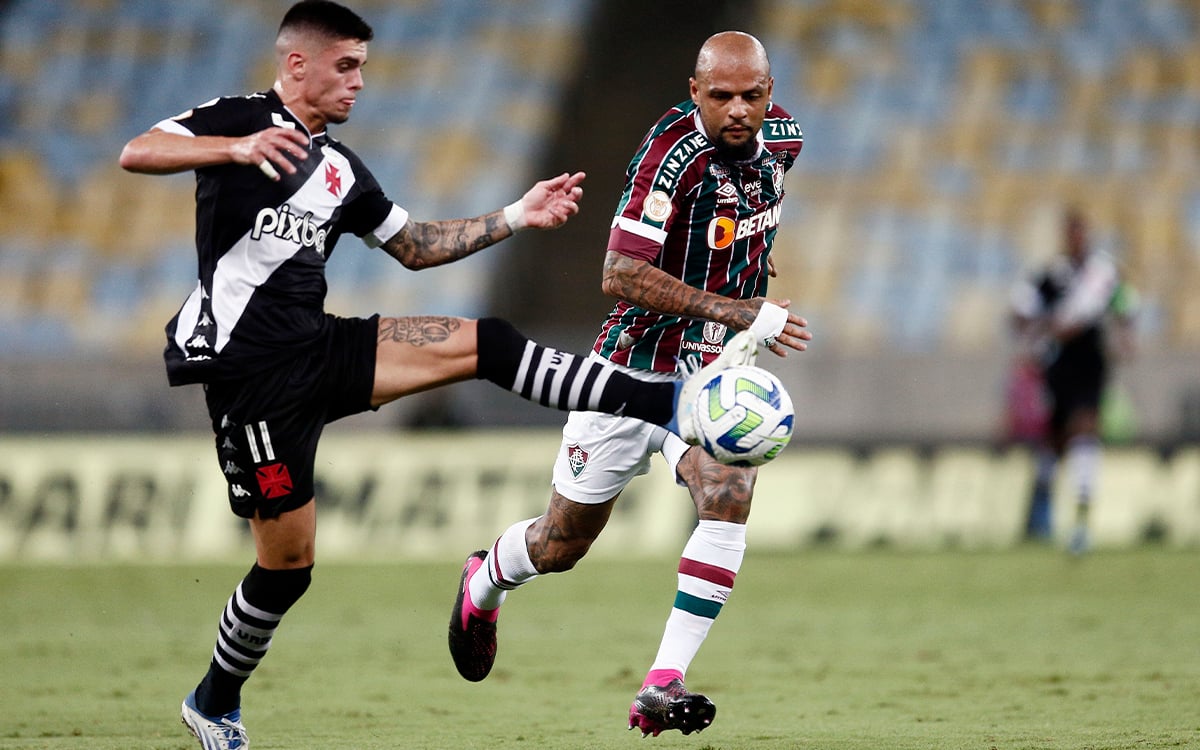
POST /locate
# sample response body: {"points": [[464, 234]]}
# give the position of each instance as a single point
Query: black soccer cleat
{"points": [[659, 708], [472, 635]]}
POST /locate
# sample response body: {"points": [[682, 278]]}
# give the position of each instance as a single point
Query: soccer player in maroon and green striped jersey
{"points": [[688, 261]]}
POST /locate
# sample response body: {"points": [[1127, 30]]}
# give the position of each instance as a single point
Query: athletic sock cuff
{"points": [[275, 591], [499, 348]]}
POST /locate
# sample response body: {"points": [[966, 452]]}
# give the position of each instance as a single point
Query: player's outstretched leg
{"points": [[742, 349], [472, 630], [658, 708], [223, 732], [561, 380]]}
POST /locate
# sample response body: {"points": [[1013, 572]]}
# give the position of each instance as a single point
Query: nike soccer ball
{"points": [[743, 416]]}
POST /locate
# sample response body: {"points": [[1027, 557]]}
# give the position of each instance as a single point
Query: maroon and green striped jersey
{"points": [[706, 221]]}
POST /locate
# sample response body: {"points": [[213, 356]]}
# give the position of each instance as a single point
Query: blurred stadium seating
{"points": [[943, 139]]}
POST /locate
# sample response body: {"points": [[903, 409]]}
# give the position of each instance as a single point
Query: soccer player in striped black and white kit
{"points": [[1072, 317], [274, 192], [688, 261]]}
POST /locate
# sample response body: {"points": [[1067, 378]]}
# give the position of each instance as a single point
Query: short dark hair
{"points": [[327, 18]]}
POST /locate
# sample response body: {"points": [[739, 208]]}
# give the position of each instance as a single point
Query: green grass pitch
{"points": [[1023, 649]]}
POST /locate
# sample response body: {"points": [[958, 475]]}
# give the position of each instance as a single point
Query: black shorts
{"points": [[267, 426], [1075, 381]]}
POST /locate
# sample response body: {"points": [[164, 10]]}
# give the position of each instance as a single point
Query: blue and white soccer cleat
{"points": [[742, 349], [214, 732]]}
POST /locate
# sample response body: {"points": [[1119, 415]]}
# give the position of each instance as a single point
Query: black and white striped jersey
{"points": [[262, 245]]}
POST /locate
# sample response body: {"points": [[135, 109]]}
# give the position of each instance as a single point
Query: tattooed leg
{"points": [[421, 352], [418, 330]]}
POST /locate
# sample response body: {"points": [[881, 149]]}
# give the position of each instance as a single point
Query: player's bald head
{"points": [[319, 21], [731, 48]]}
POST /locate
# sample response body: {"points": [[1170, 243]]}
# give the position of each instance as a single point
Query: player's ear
{"points": [[296, 64], [695, 91]]}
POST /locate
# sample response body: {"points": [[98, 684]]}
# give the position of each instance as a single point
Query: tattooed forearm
{"points": [[644, 285], [418, 330], [423, 244]]}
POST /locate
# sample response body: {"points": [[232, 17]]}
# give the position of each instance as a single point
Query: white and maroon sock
{"points": [[710, 563], [506, 566]]}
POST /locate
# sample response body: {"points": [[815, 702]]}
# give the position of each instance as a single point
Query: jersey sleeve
{"points": [[371, 215], [782, 134], [650, 201], [226, 116]]}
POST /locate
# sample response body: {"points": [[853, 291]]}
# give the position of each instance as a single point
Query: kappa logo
{"points": [[285, 225], [231, 468], [577, 458], [238, 490]]}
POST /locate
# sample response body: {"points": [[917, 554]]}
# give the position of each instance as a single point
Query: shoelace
{"points": [[229, 732]]}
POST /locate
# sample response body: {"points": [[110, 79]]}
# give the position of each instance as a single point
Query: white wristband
{"points": [[514, 214], [770, 323]]}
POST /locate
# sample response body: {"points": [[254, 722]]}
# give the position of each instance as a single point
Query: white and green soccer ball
{"points": [[743, 416]]}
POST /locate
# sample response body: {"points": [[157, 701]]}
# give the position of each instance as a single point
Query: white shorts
{"points": [[601, 453]]}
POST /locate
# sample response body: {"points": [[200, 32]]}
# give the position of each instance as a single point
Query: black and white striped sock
{"points": [[245, 631], [565, 381]]}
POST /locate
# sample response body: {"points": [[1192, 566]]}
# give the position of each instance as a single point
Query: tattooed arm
{"points": [[547, 205], [424, 244], [646, 286]]}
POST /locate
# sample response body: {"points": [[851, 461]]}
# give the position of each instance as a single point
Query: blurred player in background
{"points": [[688, 260], [274, 194], [1070, 317]]}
